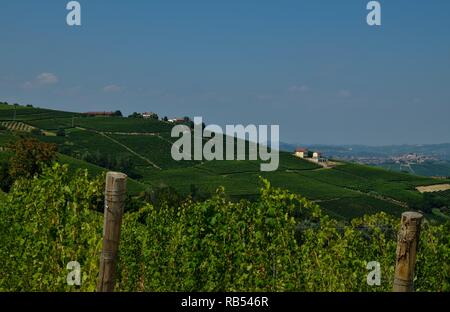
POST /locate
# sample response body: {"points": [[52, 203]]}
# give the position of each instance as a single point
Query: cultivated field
{"points": [[433, 188], [345, 191]]}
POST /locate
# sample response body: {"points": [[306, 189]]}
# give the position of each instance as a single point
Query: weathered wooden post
{"points": [[408, 240], [115, 191]]}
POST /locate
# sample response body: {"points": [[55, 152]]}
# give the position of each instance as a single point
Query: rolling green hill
{"points": [[142, 148], [429, 168]]}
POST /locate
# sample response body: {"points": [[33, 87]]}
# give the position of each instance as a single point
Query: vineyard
{"points": [[281, 242], [26, 113], [141, 148], [17, 126]]}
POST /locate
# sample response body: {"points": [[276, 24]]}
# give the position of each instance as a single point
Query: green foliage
{"points": [[111, 161], [281, 242], [436, 200], [24, 113], [47, 222], [36, 132], [135, 115], [125, 125], [6, 138], [135, 145], [134, 187], [6, 180], [433, 259], [61, 132], [153, 148], [52, 123]]}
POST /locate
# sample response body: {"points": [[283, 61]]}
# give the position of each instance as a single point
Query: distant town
{"points": [[405, 159], [422, 159]]}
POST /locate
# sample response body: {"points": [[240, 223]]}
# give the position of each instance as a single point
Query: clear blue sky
{"points": [[313, 67]]}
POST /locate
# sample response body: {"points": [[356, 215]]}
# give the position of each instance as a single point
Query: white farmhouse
{"points": [[301, 152]]}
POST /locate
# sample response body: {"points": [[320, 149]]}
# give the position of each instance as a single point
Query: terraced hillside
{"points": [[142, 148], [17, 126]]}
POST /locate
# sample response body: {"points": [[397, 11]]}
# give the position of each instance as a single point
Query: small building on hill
{"points": [[149, 115], [301, 152]]}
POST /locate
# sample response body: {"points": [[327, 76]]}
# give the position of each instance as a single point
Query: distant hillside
{"points": [[141, 148], [433, 159], [345, 151], [429, 169], [27, 113]]}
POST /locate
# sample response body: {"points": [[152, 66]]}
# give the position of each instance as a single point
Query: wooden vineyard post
{"points": [[115, 191], [408, 240]]}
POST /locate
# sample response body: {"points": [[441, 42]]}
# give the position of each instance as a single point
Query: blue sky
{"points": [[313, 67]]}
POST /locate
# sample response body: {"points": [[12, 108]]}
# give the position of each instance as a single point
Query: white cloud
{"points": [[301, 88], [47, 78], [112, 88], [344, 93], [42, 79]]}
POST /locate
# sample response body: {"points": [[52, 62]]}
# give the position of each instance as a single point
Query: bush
{"points": [[61, 132], [29, 157], [135, 115]]}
